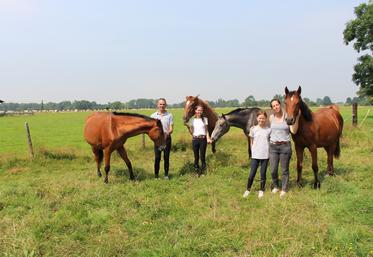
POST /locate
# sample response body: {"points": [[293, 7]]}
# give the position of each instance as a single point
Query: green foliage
{"points": [[55, 205], [360, 31]]}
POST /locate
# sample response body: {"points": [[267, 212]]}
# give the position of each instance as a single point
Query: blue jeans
{"points": [[263, 168], [280, 154]]}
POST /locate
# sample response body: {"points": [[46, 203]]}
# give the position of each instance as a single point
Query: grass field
{"points": [[55, 205]]}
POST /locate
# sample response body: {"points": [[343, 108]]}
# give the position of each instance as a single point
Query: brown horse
{"points": [[190, 105], [313, 130], [107, 132]]}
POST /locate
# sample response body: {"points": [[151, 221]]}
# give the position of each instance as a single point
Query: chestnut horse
{"points": [[313, 130], [190, 105], [107, 132]]}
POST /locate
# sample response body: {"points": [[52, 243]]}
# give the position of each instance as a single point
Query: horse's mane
{"points": [[305, 110], [236, 111], [133, 115]]}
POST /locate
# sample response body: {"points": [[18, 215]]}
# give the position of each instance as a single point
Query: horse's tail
{"points": [[337, 151]]}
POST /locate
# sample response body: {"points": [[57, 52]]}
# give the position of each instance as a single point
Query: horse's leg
{"points": [[122, 152], [248, 146], [99, 155], [213, 147], [107, 153], [315, 167], [330, 151], [299, 151]]}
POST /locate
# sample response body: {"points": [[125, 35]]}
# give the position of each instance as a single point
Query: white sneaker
{"points": [[246, 194], [261, 194], [275, 190], [282, 194]]}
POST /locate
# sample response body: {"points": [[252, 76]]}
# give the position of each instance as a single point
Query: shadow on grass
{"points": [[187, 168], [57, 155], [140, 174], [219, 159], [322, 175]]}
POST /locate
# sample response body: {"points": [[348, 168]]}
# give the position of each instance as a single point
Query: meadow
{"points": [[55, 205]]}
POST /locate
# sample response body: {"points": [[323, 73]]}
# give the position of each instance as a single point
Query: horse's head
{"points": [[221, 127], [157, 135], [292, 105], [190, 104]]}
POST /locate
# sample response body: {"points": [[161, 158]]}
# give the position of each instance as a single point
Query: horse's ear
{"points": [[223, 116], [286, 90], [299, 90]]}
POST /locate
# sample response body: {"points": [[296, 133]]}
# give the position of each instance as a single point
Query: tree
{"points": [[360, 30], [348, 101], [249, 101], [319, 102], [326, 100]]}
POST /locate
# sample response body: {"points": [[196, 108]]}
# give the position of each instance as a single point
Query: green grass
{"points": [[55, 205]]}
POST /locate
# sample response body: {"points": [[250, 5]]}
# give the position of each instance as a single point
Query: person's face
{"points": [[199, 111], [261, 119], [276, 107], [161, 105]]}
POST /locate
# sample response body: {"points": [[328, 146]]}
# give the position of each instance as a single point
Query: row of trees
{"points": [[151, 104]]}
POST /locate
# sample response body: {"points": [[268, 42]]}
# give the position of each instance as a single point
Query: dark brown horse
{"points": [[107, 132], [313, 130], [190, 105]]}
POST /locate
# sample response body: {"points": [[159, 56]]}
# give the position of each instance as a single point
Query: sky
{"points": [[108, 51]]}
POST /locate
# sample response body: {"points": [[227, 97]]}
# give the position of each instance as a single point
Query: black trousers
{"points": [[199, 150], [263, 168], [166, 156]]}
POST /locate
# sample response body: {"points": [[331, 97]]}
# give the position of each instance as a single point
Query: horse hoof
{"points": [[106, 180], [99, 174], [299, 184], [316, 185], [132, 178]]}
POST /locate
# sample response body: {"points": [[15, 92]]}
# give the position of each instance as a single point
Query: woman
{"points": [[279, 147], [198, 129]]}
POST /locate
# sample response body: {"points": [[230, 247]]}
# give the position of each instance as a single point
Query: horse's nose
{"points": [[289, 121]]}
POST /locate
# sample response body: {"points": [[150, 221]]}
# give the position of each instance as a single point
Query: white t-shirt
{"points": [[260, 147], [199, 126], [166, 119]]}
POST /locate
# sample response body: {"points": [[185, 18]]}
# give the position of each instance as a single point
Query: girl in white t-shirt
{"points": [[198, 129], [259, 139]]}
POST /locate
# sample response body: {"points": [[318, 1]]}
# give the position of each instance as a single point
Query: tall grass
{"points": [[55, 205]]}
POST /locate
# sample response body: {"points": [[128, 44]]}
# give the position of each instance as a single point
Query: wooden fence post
{"points": [[143, 141], [354, 114], [29, 142]]}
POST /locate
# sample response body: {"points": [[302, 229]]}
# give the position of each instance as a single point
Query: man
{"points": [[167, 121]]}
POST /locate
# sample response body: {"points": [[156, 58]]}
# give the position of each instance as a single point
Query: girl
{"points": [[259, 136], [198, 129]]}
